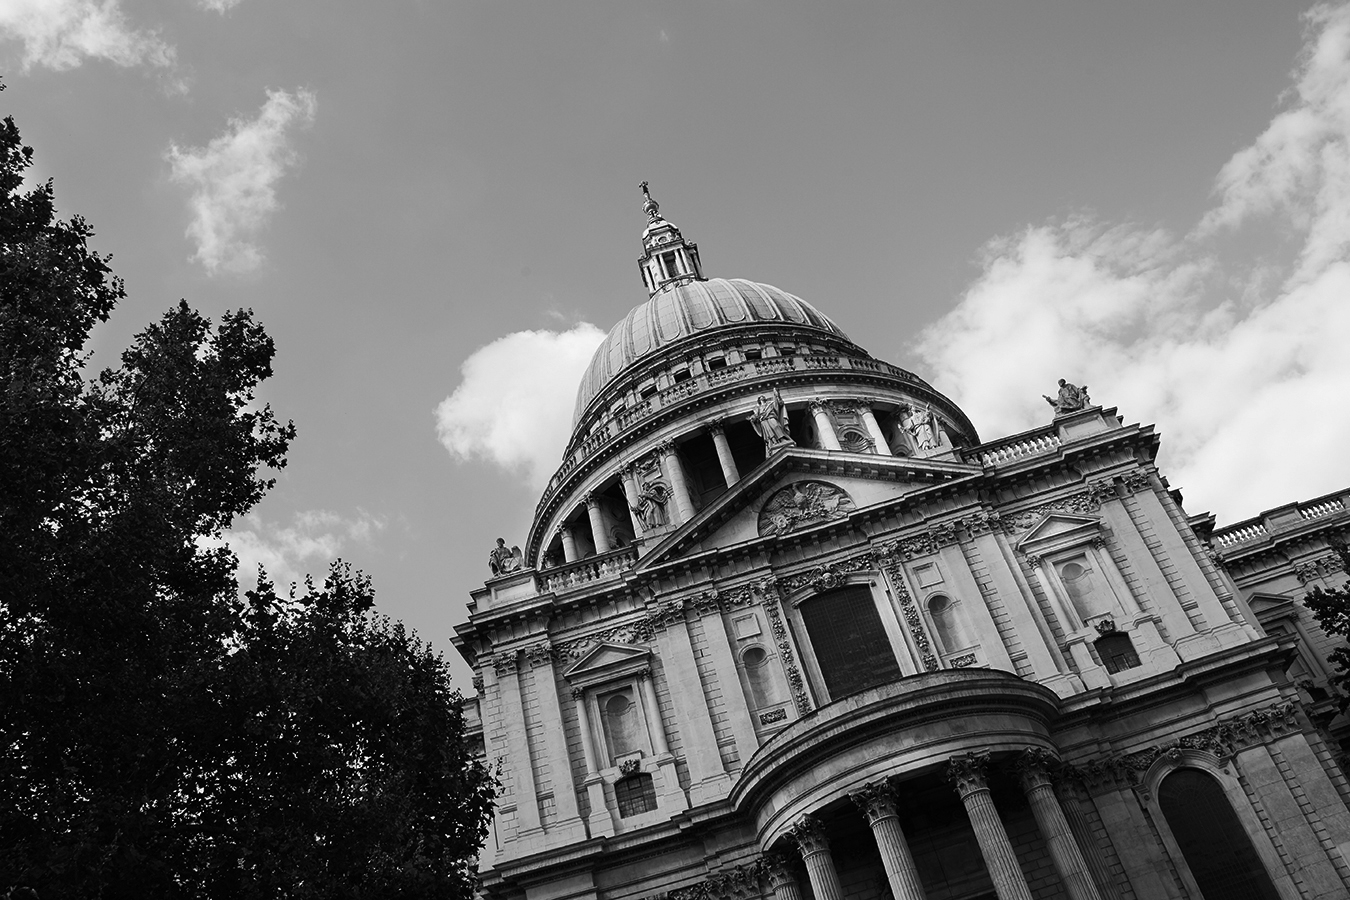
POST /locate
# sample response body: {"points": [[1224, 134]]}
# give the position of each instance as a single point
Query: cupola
{"points": [[667, 258]]}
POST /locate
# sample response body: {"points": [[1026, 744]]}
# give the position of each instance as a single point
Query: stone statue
{"points": [[651, 505], [1071, 398], [923, 427], [770, 421], [503, 561]]}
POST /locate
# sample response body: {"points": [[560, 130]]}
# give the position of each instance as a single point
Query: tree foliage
{"points": [[1331, 609], [161, 735]]}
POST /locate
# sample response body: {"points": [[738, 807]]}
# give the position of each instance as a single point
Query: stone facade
{"points": [[786, 627]]}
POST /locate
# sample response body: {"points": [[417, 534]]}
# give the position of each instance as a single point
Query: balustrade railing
{"points": [[1239, 534], [1322, 508], [1018, 449], [593, 568]]}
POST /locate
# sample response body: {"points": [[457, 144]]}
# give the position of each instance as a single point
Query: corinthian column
{"points": [[781, 879], [597, 518], [1035, 767], [869, 418], [730, 474], [967, 775], [810, 837], [824, 427], [877, 802], [670, 461]]}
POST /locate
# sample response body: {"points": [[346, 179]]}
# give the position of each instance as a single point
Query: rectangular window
{"points": [[849, 641], [635, 795], [668, 262]]}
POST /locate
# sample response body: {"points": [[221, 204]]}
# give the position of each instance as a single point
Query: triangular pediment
{"points": [[1057, 530], [1270, 604], [606, 660], [798, 490]]}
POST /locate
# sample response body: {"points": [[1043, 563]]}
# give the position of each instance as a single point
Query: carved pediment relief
{"points": [[1058, 531], [605, 662], [802, 504]]}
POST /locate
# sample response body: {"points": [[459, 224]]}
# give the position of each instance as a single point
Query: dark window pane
{"points": [[1216, 846], [1117, 653], [850, 644], [635, 794]]}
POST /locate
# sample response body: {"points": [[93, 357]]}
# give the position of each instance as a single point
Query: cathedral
{"points": [[785, 627]]}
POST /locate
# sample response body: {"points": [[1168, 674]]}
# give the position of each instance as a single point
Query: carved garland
{"points": [[768, 589], [738, 883], [891, 566]]}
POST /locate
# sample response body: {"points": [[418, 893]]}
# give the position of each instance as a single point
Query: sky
{"points": [[433, 208]]}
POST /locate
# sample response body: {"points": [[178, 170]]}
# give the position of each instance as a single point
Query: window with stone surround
{"points": [[850, 644]]}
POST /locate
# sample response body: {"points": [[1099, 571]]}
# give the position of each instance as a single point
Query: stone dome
{"points": [[685, 310]]}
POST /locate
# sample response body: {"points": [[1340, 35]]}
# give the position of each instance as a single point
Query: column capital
{"points": [[809, 835], [591, 499], [716, 426], [816, 406], [666, 448], [968, 773], [876, 800], [779, 868], [1037, 766]]}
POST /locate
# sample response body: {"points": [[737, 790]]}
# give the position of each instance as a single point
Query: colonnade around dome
{"points": [[860, 654]]}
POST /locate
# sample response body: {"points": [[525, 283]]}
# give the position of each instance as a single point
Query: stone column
{"points": [[824, 427], [1082, 834], [967, 774], [653, 709], [869, 418], [670, 461], [781, 879], [597, 517], [877, 802], [1035, 767], [507, 667], [730, 474], [569, 541], [630, 493], [568, 824], [810, 837]]}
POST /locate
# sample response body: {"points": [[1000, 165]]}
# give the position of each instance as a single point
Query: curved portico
{"points": [[902, 730]]}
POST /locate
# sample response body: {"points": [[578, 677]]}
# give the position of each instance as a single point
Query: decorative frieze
{"points": [[825, 577], [1223, 740], [965, 660], [1137, 481], [773, 715], [1081, 502], [539, 654], [1322, 567], [981, 523], [738, 883]]}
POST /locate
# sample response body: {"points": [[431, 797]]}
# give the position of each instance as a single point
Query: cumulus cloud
{"points": [[289, 552], [233, 180], [1241, 361], [219, 6], [62, 34], [513, 405]]}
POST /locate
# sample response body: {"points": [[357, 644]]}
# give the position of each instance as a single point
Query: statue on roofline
{"points": [[503, 560], [1071, 398], [770, 421]]}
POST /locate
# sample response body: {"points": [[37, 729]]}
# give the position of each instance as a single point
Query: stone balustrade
{"points": [[1324, 508], [1037, 444], [591, 569], [1239, 534], [1281, 519]]}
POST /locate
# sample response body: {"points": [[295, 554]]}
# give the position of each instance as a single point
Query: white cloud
{"points": [[233, 180], [514, 404], [1241, 362], [289, 552], [62, 34], [220, 6]]}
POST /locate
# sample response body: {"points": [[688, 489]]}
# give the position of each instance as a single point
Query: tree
{"points": [[160, 735], [1331, 609]]}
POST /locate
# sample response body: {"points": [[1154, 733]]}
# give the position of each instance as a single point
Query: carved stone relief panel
{"points": [[801, 504]]}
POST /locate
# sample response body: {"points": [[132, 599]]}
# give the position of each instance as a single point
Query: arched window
{"points": [[1216, 846], [634, 794], [946, 625], [621, 725], [757, 675], [1117, 652], [850, 644]]}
